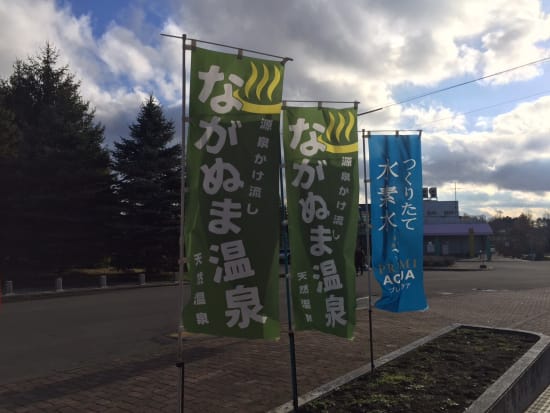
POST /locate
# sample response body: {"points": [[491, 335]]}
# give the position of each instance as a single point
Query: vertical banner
{"points": [[321, 173], [232, 218], [395, 168]]}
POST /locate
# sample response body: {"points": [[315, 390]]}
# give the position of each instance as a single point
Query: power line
{"points": [[454, 86], [488, 107]]}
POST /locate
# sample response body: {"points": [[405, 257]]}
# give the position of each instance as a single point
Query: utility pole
{"points": [[456, 189]]}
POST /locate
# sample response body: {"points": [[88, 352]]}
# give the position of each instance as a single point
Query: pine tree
{"points": [[57, 188], [9, 134], [148, 184]]}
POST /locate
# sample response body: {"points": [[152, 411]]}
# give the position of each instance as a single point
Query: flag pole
{"points": [[181, 364], [182, 220], [181, 261], [367, 235], [285, 247], [240, 50]]}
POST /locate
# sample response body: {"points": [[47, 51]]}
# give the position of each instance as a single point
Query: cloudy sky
{"points": [[486, 144]]}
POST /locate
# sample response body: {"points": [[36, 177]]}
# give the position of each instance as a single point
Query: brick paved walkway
{"points": [[231, 375]]}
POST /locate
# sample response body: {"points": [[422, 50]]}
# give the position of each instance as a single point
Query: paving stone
{"points": [[230, 375]]}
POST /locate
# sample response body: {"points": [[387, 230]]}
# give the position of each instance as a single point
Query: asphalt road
{"points": [[504, 275], [39, 336]]}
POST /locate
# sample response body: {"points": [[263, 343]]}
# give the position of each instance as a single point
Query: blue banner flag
{"points": [[397, 221]]}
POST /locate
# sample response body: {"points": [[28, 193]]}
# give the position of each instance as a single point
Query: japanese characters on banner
{"points": [[232, 203], [397, 221], [321, 173]]}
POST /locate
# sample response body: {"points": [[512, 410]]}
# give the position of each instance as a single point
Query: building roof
{"points": [[458, 229]]}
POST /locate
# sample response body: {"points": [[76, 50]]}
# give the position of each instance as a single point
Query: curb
{"points": [[328, 387], [486, 268], [513, 392], [41, 295], [521, 384]]}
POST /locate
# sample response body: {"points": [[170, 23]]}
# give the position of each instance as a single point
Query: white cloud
{"points": [[368, 50], [117, 71], [26, 26], [124, 55], [435, 118], [483, 123], [526, 119]]}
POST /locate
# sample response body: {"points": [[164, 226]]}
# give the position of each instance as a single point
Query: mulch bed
{"points": [[444, 375]]}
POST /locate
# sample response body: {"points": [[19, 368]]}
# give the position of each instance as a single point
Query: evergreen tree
{"points": [[148, 189], [9, 134], [521, 236], [57, 184]]}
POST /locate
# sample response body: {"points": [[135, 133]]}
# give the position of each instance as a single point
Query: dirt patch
{"points": [[444, 375]]}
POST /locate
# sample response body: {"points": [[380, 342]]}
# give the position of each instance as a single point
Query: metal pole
{"points": [[59, 284], [9, 288], [180, 363], [285, 248], [239, 49], [367, 235]]}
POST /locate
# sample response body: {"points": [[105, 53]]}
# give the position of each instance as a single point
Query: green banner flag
{"points": [[321, 172], [232, 204]]}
